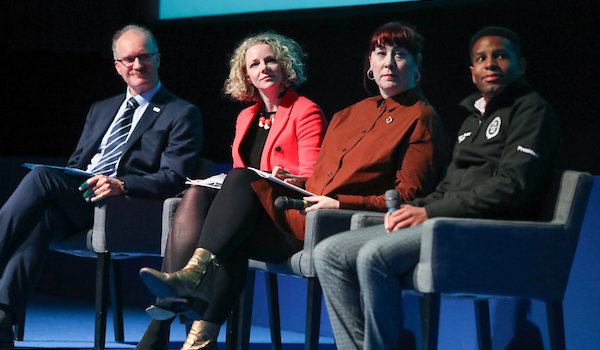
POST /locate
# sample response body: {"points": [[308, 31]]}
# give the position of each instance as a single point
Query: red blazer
{"points": [[295, 137]]}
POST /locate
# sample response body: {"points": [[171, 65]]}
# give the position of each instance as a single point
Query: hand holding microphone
{"points": [[286, 203], [401, 215], [392, 200]]}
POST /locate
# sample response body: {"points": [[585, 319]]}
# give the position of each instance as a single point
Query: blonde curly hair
{"points": [[288, 54]]}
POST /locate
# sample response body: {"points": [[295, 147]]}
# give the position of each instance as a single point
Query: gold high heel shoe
{"points": [[202, 335], [165, 309], [186, 282]]}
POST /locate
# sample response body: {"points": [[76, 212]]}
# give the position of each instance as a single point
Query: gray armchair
{"points": [[123, 227], [530, 259], [320, 224]]}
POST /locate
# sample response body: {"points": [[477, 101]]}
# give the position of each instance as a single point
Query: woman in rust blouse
{"points": [[392, 140]]}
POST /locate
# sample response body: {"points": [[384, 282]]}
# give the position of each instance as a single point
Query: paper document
{"points": [[215, 181], [268, 176], [68, 171]]}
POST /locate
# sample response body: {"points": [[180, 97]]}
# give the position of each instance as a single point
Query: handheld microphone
{"points": [[392, 200], [285, 203]]}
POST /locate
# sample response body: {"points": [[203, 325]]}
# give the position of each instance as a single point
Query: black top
{"points": [[252, 145]]}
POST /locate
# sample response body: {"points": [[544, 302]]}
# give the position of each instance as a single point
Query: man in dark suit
{"points": [[144, 143]]}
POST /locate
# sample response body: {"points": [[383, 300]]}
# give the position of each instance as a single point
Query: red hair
{"points": [[395, 34]]}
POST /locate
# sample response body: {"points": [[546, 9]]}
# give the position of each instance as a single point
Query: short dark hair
{"points": [[501, 32], [395, 34]]}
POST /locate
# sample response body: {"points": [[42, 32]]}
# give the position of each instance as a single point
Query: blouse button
{"points": [[343, 150], [364, 131], [278, 149], [329, 174]]}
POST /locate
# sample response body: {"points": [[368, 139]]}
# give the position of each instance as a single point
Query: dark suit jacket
{"points": [[162, 150]]}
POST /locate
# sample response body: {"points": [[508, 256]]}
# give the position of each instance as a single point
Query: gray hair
{"points": [[142, 30]]}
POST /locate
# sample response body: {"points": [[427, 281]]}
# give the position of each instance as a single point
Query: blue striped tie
{"points": [[116, 140]]}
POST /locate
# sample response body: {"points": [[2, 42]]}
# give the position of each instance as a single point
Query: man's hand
{"points": [[406, 216], [322, 202], [100, 187]]}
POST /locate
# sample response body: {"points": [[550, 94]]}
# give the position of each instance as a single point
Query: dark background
{"points": [[56, 61]]}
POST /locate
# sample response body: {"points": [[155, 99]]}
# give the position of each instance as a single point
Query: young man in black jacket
{"points": [[504, 154]]}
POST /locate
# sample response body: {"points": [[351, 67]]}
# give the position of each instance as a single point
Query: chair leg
{"points": [[20, 329], [240, 320], [314, 298], [274, 319], [430, 320], [116, 299], [102, 281], [232, 329], [482, 319], [556, 326]]}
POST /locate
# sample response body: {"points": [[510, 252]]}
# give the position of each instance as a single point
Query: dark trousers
{"points": [[237, 228], [46, 206]]}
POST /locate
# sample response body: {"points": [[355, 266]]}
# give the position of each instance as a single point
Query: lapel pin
{"points": [[156, 109], [389, 119]]}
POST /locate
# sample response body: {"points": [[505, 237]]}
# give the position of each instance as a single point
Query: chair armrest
{"points": [[323, 223], [168, 215], [495, 257], [320, 224], [364, 219], [127, 224]]}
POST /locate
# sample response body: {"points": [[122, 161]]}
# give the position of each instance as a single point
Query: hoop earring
{"points": [[417, 77], [370, 74]]}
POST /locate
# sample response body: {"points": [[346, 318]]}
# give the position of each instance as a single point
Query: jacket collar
{"points": [[506, 96], [406, 98]]}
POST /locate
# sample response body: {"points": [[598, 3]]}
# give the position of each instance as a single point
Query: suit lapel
{"points": [[106, 116], [153, 111], [244, 123]]}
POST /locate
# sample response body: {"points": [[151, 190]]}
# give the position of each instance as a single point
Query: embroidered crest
{"points": [[494, 128]]}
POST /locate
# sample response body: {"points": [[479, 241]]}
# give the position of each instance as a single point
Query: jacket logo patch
{"points": [[494, 128], [463, 136]]}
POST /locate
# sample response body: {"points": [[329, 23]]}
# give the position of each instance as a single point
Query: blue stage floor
{"points": [[58, 323]]}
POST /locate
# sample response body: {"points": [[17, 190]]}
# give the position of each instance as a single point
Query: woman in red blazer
{"points": [[294, 138], [392, 140], [280, 130]]}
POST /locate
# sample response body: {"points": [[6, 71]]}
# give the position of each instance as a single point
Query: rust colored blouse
{"points": [[370, 147]]}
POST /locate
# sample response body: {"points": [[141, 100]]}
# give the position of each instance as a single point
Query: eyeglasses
{"points": [[143, 57]]}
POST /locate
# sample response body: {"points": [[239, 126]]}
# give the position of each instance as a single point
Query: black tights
{"points": [[232, 224], [237, 228], [187, 227], [181, 243]]}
